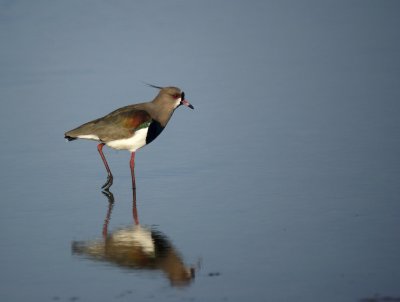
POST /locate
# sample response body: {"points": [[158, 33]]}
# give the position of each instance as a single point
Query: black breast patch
{"points": [[155, 129]]}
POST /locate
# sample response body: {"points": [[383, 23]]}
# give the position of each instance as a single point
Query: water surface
{"points": [[281, 185]]}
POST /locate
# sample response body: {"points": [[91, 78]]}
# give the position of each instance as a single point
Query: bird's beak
{"points": [[185, 102]]}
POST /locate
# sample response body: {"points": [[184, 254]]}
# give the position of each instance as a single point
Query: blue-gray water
{"points": [[281, 185]]}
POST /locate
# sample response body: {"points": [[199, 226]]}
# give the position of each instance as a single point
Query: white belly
{"points": [[136, 236], [133, 143]]}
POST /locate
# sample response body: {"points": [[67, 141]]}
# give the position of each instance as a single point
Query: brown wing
{"points": [[119, 124]]}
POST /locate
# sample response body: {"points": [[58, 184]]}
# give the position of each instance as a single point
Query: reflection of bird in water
{"points": [[136, 247]]}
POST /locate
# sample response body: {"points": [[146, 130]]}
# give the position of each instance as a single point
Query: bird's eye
{"points": [[176, 96]]}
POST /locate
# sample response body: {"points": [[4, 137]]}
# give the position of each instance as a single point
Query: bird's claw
{"points": [[108, 183], [109, 195]]}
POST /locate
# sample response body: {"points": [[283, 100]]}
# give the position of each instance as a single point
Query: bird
{"points": [[131, 127]]}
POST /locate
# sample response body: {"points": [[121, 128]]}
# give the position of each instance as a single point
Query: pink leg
{"points": [[134, 209], [109, 181], [132, 165]]}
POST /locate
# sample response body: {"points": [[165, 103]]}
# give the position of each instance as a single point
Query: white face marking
{"points": [[133, 143], [89, 136], [178, 102]]}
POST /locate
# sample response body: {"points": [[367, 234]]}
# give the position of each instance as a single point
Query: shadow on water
{"points": [[136, 247]]}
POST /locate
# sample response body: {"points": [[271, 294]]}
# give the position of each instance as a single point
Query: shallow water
{"points": [[281, 185]]}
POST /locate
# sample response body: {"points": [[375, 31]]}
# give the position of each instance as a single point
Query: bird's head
{"points": [[171, 97]]}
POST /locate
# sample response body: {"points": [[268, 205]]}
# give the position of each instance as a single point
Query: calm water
{"points": [[281, 185]]}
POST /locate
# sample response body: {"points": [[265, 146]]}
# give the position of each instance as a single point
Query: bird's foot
{"points": [[109, 195], [108, 183]]}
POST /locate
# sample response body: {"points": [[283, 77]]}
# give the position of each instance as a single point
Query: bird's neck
{"points": [[160, 113]]}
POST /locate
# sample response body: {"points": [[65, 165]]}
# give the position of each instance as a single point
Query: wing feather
{"points": [[119, 124]]}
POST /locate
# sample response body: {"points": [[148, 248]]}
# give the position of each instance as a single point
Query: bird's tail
{"points": [[70, 138]]}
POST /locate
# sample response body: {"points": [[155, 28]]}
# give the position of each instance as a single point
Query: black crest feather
{"points": [[154, 86]]}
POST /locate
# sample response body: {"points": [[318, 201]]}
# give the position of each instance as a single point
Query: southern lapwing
{"points": [[131, 127]]}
